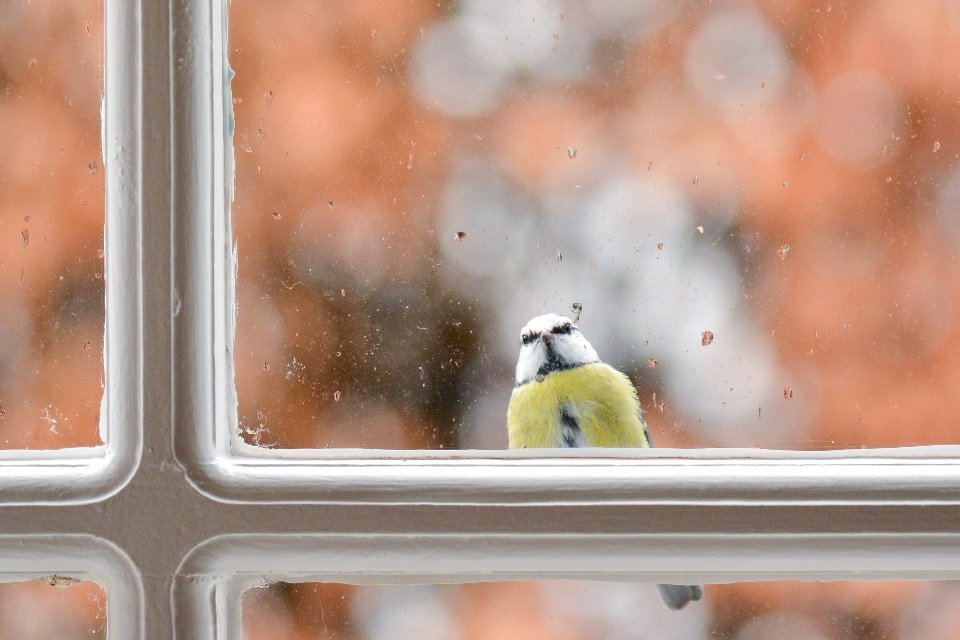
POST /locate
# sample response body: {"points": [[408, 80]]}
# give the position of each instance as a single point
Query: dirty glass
{"points": [[51, 223], [577, 610], [752, 206], [53, 607]]}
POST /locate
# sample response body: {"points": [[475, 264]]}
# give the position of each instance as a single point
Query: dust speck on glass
{"points": [[574, 610], [752, 208], [51, 224]]}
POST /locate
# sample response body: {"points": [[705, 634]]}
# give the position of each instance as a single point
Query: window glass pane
{"points": [[753, 206], [53, 607], [51, 223], [578, 610]]}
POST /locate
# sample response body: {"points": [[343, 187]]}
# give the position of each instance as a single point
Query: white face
{"points": [[551, 343]]}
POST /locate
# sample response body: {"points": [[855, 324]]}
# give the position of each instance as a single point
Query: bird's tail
{"points": [[677, 596]]}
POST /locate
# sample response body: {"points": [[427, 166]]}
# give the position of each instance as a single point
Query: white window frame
{"points": [[83, 475], [673, 515], [80, 557], [213, 577], [225, 469]]}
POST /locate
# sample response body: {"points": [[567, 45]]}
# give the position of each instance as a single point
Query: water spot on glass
{"points": [[87, 345], [86, 26], [373, 33], [803, 155], [260, 132], [276, 215], [25, 237], [266, 366], [571, 152], [577, 308], [26, 219], [658, 405], [559, 257], [936, 146], [696, 179], [562, 17], [660, 245], [100, 254], [330, 204], [556, 36], [92, 167], [460, 236], [651, 363], [410, 161], [262, 416], [20, 279], [3, 413], [785, 184], [787, 393], [269, 96], [51, 416], [650, 165], [478, 136], [706, 338], [889, 179], [783, 250], [32, 62], [540, 377], [336, 396], [700, 229]]}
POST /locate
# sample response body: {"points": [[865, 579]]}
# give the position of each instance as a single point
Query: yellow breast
{"points": [[599, 398]]}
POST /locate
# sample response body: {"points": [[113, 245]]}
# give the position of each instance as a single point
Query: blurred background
{"points": [[558, 610], [417, 179], [53, 607], [51, 223]]}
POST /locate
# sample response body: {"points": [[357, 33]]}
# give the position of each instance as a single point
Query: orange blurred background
{"points": [[53, 607], [51, 224], [415, 180]]}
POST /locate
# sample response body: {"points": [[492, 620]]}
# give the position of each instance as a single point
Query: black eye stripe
{"points": [[563, 328]]}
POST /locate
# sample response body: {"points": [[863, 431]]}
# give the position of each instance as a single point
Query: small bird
{"points": [[566, 397]]}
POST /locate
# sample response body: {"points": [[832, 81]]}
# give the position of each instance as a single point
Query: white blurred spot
{"points": [[736, 60], [449, 70]]}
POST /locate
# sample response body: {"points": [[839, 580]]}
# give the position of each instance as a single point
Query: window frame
{"points": [[82, 557], [83, 475], [204, 279], [207, 594]]}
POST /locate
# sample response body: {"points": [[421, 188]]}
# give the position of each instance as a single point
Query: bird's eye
{"points": [[527, 338], [564, 328]]}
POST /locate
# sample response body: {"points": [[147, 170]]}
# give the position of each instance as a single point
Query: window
{"points": [[207, 517]]}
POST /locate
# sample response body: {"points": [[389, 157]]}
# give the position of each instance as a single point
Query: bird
{"points": [[565, 397]]}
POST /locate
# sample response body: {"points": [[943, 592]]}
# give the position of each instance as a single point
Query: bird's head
{"points": [[551, 343]]}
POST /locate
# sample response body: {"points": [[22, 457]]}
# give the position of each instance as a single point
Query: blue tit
{"points": [[566, 397]]}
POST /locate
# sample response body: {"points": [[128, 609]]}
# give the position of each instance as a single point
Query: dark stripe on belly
{"points": [[569, 429]]}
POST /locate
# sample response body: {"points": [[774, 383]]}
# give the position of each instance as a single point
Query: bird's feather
{"points": [[594, 399]]}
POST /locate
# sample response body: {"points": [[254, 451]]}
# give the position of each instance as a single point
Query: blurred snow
{"points": [[405, 613], [736, 60]]}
